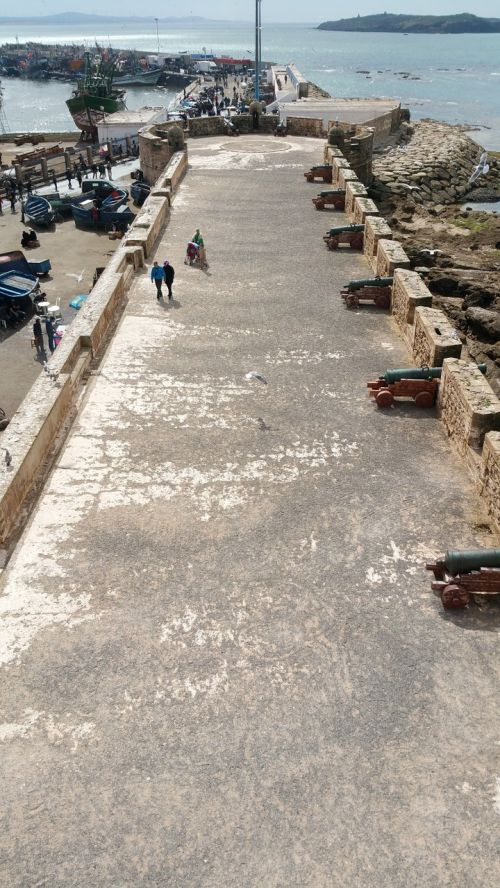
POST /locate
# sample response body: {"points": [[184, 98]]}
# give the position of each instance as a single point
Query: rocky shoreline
{"points": [[422, 187]]}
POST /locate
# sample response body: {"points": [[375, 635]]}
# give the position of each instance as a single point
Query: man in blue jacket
{"points": [[157, 277]]}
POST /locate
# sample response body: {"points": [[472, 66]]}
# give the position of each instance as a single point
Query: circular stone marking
{"points": [[256, 146]]}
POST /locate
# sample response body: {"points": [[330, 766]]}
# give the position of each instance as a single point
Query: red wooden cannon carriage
{"points": [[352, 235], [418, 383], [458, 575], [375, 290], [334, 198], [322, 171]]}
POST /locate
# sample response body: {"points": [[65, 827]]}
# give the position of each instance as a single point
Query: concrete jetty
{"points": [[221, 660]]}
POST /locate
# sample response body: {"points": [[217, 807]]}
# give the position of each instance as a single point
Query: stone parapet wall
{"points": [[305, 126], [376, 228], [490, 475], [390, 255], [353, 189], [408, 293], [363, 207], [434, 338], [467, 404], [338, 164], [346, 175]]}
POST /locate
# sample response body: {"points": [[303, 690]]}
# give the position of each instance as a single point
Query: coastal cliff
{"points": [[464, 23]]}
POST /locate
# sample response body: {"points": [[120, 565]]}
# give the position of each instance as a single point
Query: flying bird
{"points": [[52, 374], [431, 252], [482, 168], [255, 375], [7, 457], [78, 277], [410, 187]]}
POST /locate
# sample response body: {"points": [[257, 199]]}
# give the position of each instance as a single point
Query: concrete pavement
{"points": [[222, 662]]}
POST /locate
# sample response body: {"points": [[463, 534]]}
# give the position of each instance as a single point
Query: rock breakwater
{"points": [[433, 165]]}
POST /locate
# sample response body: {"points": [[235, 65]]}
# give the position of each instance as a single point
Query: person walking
{"points": [[168, 275], [13, 201], [109, 169], [102, 171], [54, 181], [29, 185], [69, 177], [38, 338], [49, 328], [157, 278], [78, 174]]}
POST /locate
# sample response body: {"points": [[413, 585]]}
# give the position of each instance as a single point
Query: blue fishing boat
{"points": [[101, 188], [139, 191], [17, 284], [38, 210], [89, 212]]}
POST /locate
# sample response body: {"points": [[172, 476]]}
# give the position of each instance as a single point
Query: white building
{"points": [[126, 124]]}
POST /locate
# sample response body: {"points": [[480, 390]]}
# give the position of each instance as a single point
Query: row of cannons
{"points": [[458, 576]]}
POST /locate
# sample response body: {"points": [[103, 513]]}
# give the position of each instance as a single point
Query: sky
{"points": [[243, 10]]}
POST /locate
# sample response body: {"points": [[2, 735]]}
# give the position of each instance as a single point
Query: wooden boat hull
{"points": [[38, 211]]}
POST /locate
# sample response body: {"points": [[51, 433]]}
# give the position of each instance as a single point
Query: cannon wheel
{"points": [[384, 398], [424, 399], [320, 205], [352, 301], [333, 243], [454, 597], [383, 300]]}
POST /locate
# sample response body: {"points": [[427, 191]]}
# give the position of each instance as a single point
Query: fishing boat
{"points": [[38, 210], [94, 96], [112, 211], [139, 191], [61, 204], [101, 188], [16, 284], [139, 77]]}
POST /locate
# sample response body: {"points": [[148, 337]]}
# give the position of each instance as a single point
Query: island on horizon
{"points": [[465, 23]]}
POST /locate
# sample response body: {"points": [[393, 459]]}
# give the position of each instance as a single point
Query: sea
{"points": [[455, 78]]}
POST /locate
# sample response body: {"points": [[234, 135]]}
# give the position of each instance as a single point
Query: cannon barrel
{"points": [[470, 559], [322, 166], [337, 191], [417, 373], [369, 282], [341, 229]]}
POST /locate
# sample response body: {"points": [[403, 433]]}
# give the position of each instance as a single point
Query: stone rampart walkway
{"points": [[222, 662]]}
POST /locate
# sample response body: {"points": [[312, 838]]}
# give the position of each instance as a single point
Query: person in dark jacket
{"points": [[38, 338], [168, 275], [49, 327]]}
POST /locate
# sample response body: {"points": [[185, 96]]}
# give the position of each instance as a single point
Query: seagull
{"points": [[7, 457], [410, 187], [482, 168], [78, 277], [431, 252], [255, 375], [263, 425]]}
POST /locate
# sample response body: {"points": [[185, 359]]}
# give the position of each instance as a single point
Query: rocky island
{"points": [[465, 23]]}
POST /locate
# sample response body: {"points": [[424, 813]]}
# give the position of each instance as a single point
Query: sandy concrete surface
{"points": [[222, 662]]}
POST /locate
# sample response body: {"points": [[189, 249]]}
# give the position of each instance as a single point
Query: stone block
{"points": [[338, 164], [363, 207], [330, 152], [467, 404], [408, 293], [434, 338], [390, 255], [376, 228], [353, 189], [490, 475], [346, 174]]}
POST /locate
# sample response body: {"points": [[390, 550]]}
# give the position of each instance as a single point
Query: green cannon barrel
{"points": [[417, 373], [369, 282], [470, 559], [337, 191], [322, 166], [341, 229]]}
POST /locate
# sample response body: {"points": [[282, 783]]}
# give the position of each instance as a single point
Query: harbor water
{"points": [[455, 78]]}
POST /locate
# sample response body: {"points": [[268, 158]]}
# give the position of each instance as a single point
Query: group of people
{"points": [[164, 274], [38, 339], [14, 191]]}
